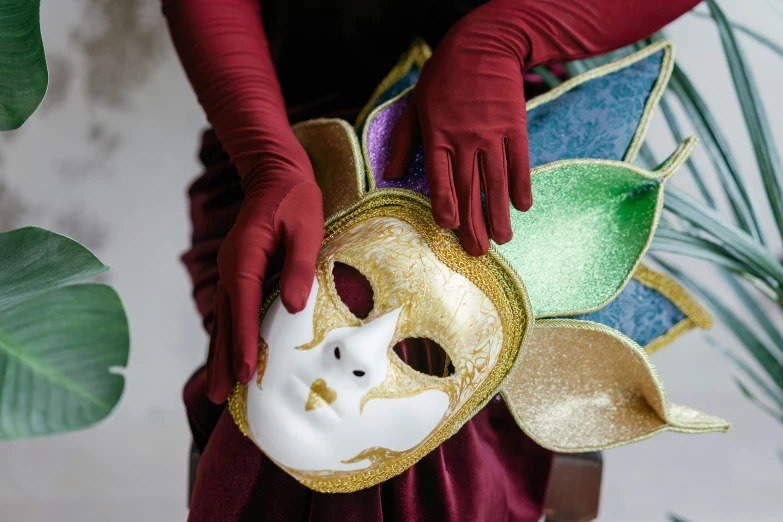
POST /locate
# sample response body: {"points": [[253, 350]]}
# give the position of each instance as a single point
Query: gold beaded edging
{"points": [[670, 423], [696, 316], [490, 273]]}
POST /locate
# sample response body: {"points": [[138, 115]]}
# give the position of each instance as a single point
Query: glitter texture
{"points": [[335, 154], [578, 245], [581, 386], [379, 151]]}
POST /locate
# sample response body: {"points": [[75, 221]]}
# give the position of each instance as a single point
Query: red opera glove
{"points": [[224, 51], [468, 107], [280, 211]]}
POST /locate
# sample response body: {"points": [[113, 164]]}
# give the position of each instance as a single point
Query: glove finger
{"points": [[245, 305], [220, 378], [302, 239], [492, 166], [405, 139], [440, 179], [518, 161], [472, 230]]}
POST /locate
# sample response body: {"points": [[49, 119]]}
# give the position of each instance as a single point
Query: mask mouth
{"points": [[320, 395]]}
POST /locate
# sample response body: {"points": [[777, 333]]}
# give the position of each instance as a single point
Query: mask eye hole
{"points": [[337, 352], [354, 289], [425, 356], [358, 373]]}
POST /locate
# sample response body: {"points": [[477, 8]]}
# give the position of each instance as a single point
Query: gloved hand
{"points": [[468, 107], [226, 56], [282, 210]]}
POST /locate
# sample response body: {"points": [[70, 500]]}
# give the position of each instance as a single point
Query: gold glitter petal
{"points": [[336, 157], [581, 386]]}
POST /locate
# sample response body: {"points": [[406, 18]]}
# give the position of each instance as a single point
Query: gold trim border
{"points": [[721, 426]]}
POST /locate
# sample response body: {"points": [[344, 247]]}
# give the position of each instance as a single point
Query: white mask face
{"points": [[307, 414], [331, 402]]}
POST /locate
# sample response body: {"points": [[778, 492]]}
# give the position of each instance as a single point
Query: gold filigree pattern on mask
{"points": [[263, 356], [320, 395], [381, 248], [377, 456], [403, 381]]}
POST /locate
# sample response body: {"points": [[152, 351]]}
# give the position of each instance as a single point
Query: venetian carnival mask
{"points": [[560, 321], [332, 402]]}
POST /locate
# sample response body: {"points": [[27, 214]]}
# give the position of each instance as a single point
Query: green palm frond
{"points": [[733, 243]]}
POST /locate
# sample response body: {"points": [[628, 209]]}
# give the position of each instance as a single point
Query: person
{"points": [[258, 220]]}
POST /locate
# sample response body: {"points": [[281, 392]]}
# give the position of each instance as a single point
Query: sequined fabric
{"points": [[378, 151]]}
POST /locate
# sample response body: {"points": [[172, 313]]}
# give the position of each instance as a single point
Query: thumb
{"points": [[405, 139], [303, 233]]}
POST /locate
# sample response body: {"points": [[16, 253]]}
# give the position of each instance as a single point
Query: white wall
{"points": [[107, 161]]}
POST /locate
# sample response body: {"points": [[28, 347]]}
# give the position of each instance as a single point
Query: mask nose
{"points": [[363, 350]]}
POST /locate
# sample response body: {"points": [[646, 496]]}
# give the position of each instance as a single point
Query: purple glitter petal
{"points": [[379, 151]]}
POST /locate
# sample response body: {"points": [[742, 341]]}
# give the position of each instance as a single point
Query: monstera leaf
{"points": [[57, 342], [23, 74]]}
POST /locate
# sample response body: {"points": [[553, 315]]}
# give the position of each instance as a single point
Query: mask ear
{"points": [[334, 152], [581, 386]]}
